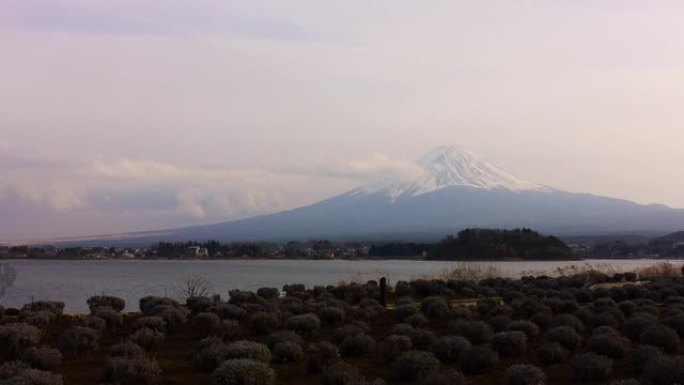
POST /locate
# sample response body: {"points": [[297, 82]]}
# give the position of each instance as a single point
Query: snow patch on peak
{"points": [[449, 166]]}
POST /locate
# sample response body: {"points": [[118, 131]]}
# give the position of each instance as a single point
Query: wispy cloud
{"points": [[157, 17], [163, 194]]}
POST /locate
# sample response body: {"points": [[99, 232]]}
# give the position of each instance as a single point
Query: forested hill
{"points": [[488, 244]]}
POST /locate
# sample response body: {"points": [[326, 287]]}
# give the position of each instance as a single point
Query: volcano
{"points": [[457, 189]]}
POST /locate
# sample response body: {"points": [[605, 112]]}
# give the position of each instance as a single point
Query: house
{"points": [[196, 251]]}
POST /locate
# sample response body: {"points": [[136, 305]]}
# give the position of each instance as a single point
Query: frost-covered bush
{"points": [[209, 353], [641, 355], [150, 322], [303, 324], [199, 304], [626, 381], [372, 307], [331, 315], [115, 303], [35, 377], [43, 358], [204, 324], [17, 337], [509, 343], [264, 322], [55, 307], [637, 324], [449, 348], [249, 350], [442, 376], [627, 307], [417, 320], [282, 336], [529, 328], [461, 312], [147, 304], [342, 332], [478, 360], [551, 353], [605, 330], [321, 355], [606, 318], [293, 305], [402, 330], [565, 336], [243, 372], [38, 318], [591, 367], [568, 320], [477, 332], [138, 370], [9, 369], [228, 311], [542, 319], [665, 370], [404, 311], [676, 322], [522, 374], [499, 322], [422, 339], [78, 340], [92, 322], [394, 345], [147, 339], [268, 292], [173, 317], [661, 336], [413, 363], [435, 307], [228, 330], [288, 351], [125, 349], [356, 345], [113, 318], [608, 344], [341, 373]]}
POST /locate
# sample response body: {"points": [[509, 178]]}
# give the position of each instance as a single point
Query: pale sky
{"points": [[125, 115]]}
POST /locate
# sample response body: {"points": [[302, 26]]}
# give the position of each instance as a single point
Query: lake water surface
{"points": [[74, 281]]}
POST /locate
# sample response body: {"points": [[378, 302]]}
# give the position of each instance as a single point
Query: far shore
{"points": [[416, 258]]}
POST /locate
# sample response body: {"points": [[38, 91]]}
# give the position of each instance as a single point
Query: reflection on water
{"points": [[7, 277], [75, 281]]}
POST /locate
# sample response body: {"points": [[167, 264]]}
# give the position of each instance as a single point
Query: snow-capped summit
{"points": [[456, 166], [449, 166]]}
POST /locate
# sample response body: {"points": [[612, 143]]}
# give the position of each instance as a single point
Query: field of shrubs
{"points": [[529, 331]]}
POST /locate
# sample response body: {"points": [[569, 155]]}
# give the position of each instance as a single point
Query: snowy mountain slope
{"points": [[456, 190], [450, 166]]}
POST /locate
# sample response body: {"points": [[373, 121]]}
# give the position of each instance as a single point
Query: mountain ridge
{"points": [[456, 190]]}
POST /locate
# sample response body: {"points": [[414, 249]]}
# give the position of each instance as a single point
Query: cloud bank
{"points": [[161, 194]]}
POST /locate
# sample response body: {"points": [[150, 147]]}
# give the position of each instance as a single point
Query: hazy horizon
{"points": [[121, 116]]}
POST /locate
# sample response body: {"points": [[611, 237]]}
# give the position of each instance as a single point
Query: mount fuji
{"points": [[457, 189]]}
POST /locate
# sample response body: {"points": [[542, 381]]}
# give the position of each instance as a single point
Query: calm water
{"points": [[74, 281]]}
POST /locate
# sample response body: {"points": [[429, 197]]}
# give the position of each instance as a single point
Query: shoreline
{"points": [[331, 260]]}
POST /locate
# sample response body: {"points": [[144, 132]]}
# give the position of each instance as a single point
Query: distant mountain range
{"points": [[456, 190]]}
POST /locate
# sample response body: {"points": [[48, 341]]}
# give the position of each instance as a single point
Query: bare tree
{"points": [[194, 286]]}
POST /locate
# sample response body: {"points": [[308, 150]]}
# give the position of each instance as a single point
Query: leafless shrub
{"points": [[194, 286]]}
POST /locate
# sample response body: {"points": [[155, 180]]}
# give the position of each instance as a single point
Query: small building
{"points": [[196, 251]]}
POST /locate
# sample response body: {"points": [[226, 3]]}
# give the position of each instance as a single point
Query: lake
{"points": [[75, 281]]}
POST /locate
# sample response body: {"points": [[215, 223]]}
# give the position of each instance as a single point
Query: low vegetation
{"points": [[474, 328]]}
